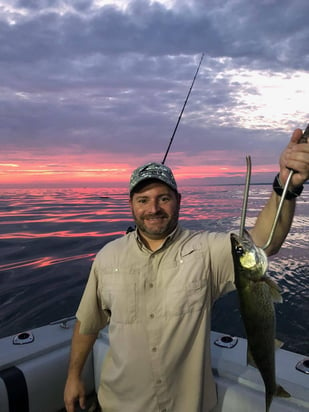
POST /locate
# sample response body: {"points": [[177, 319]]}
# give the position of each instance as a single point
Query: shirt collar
{"points": [[165, 242]]}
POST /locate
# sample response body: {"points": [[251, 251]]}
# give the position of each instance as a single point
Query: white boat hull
{"points": [[32, 375]]}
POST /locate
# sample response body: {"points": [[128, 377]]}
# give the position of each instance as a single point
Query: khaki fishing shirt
{"points": [[160, 310]]}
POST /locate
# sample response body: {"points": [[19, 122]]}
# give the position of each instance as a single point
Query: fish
{"points": [[257, 294]]}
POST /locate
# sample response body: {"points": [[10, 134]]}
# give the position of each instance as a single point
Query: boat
{"points": [[33, 368]]}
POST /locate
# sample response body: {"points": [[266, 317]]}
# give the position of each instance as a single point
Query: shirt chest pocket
{"points": [[187, 290], [119, 298], [189, 298]]}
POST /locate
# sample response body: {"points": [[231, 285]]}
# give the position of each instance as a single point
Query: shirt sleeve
{"points": [[90, 312], [221, 261]]}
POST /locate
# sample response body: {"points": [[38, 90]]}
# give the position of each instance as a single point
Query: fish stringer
{"points": [[245, 197], [303, 139]]}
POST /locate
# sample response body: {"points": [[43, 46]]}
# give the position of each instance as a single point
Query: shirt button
{"points": [[154, 349], [152, 315], [151, 285]]}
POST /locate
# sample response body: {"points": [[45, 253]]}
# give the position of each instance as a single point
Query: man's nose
{"points": [[154, 206]]}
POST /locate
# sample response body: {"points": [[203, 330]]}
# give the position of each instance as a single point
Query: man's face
{"points": [[155, 209]]}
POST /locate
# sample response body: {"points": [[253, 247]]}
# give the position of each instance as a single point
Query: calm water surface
{"points": [[49, 237]]}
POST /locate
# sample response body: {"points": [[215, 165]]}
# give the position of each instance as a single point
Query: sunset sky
{"points": [[92, 89]]}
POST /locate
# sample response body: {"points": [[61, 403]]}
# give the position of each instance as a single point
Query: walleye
{"points": [[257, 293]]}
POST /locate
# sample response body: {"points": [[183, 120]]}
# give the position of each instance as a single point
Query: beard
{"points": [[157, 225]]}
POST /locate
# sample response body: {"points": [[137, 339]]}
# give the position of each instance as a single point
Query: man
{"points": [[155, 287]]}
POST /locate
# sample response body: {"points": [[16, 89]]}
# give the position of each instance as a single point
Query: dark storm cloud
{"points": [[73, 74], [263, 33], [150, 30]]}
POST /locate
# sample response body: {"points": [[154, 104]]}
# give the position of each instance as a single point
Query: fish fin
{"points": [[281, 392], [250, 360], [278, 344], [274, 290]]}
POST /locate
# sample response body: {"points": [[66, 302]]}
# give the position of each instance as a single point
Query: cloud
{"points": [[264, 34], [111, 78]]}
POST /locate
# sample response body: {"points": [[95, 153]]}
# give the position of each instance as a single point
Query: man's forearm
{"points": [[294, 157], [81, 346], [261, 231]]}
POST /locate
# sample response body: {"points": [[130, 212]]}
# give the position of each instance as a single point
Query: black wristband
{"points": [[289, 195]]}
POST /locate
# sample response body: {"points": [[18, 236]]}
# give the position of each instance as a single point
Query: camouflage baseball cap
{"points": [[153, 171]]}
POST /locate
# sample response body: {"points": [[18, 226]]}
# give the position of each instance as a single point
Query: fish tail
{"points": [[281, 392]]}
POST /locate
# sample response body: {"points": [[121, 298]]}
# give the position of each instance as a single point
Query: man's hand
{"points": [[74, 391], [295, 156]]}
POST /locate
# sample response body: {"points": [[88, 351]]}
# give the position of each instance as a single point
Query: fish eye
{"points": [[239, 250]]}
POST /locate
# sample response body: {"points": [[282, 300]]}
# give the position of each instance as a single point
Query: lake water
{"points": [[49, 238]]}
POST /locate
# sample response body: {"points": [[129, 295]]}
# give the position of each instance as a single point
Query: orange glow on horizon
{"points": [[92, 171], [211, 171], [30, 173]]}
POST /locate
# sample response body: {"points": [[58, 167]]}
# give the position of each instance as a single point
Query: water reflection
{"points": [[50, 237]]}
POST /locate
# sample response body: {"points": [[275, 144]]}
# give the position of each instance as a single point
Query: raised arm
{"points": [[295, 156], [74, 388]]}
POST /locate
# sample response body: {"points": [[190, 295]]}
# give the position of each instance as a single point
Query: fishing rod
{"points": [[182, 110], [130, 228]]}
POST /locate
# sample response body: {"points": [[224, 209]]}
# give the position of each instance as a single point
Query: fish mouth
{"points": [[237, 241], [234, 239], [246, 236], [247, 254], [243, 247]]}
